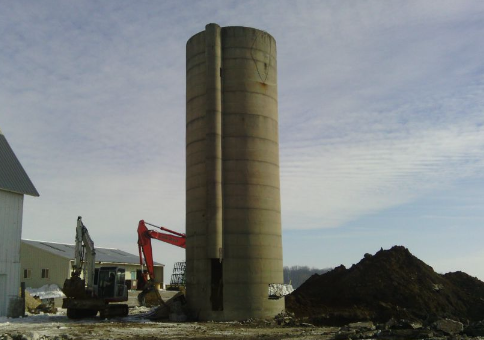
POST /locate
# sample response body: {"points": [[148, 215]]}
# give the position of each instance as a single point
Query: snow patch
{"points": [[51, 291], [278, 290]]}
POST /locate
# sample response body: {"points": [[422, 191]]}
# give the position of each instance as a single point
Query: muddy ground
{"points": [[135, 326], [391, 295], [58, 326]]}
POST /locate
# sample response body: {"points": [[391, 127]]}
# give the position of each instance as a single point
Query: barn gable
{"points": [[13, 177]]}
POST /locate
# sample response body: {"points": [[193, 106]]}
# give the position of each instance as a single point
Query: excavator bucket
{"points": [[75, 288], [150, 296]]}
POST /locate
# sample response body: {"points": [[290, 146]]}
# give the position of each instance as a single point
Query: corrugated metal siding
{"points": [[12, 175], [159, 273], [3, 295], [11, 208]]}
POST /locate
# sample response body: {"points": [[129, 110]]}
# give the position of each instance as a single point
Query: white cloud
{"points": [[380, 160]]}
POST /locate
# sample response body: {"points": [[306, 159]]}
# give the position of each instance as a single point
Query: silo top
{"points": [[237, 31]]}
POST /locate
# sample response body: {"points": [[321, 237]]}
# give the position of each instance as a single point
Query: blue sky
{"points": [[381, 118]]}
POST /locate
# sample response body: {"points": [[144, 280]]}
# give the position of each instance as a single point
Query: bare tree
{"points": [[296, 275]]}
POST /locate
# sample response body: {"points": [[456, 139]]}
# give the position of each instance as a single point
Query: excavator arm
{"points": [[144, 243], [84, 254], [150, 295]]}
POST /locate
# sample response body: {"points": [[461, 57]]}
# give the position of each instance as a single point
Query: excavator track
{"points": [[113, 311], [73, 313]]}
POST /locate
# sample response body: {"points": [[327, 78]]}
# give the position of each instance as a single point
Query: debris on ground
{"points": [[448, 326], [285, 319], [442, 329], [174, 309], [31, 303], [41, 300], [178, 308]]}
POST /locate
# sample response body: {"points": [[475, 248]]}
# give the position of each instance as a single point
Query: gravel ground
{"points": [[58, 326]]}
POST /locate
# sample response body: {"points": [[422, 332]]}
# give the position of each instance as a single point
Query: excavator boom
{"points": [[175, 240], [144, 243], [84, 253], [150, 295]]}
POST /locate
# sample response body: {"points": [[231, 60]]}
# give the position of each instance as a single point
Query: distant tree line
{"points": [[296, 275]]}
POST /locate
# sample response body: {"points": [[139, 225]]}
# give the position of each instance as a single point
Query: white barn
{"points": [[14, 184]]}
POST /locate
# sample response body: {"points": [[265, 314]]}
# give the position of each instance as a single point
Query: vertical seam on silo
{"points": [[222, 141], [214, 142]]}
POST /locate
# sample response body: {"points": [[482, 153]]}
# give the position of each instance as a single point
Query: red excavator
{"points": [[150, 295]]}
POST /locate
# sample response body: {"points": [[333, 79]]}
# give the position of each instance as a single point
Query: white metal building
{"points": [[51, 263], [14, 184]]}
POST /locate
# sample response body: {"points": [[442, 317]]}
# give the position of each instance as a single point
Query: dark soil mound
{"points": [[392, 283]]}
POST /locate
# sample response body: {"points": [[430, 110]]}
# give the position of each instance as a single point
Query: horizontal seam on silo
{"points": [[196, 186], [195, 119], [233, 160], [252, 283], [253, 137], [196, 141], [195, 74], [248, 160], [195, 66], [200, 187], [251, 184], [196, 90], [249, 59], [195, 97], [247, 208], [251, 233], [194, 164], [195, 211], [246, 48], [193, 187], [198, 63], [196, 55], [248, 114], [197, 152], [251, 92]]}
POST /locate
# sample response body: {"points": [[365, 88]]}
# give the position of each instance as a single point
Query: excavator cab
{"points": [[110, 284]]}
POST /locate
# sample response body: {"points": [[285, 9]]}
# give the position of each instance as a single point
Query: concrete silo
{"points": [[233, 210]]}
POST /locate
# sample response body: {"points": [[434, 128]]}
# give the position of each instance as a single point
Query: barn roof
{"points": [[12, 175], [108, 255]]}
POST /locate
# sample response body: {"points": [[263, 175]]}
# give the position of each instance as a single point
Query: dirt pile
{"points": [[390, 284]]}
